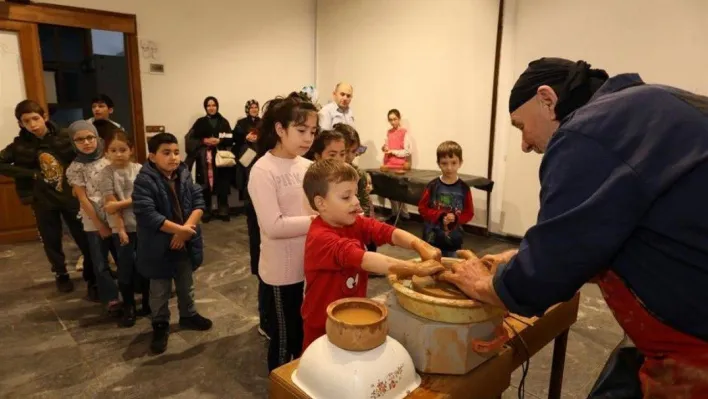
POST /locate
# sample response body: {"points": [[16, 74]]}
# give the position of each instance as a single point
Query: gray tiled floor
{"points": [[60, 346]]}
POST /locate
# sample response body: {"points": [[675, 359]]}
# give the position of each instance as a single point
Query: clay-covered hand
{"points": [[469, 276], [420, 269], [426, 251], [466, 254], [494, 260]]}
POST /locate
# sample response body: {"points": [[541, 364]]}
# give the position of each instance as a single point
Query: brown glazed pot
{"points": [[356, 337]]}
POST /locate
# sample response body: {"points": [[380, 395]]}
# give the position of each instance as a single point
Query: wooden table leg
{"points": [[559, 347]]}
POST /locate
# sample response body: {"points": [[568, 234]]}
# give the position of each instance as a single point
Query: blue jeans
{"points": [[98, 247]]}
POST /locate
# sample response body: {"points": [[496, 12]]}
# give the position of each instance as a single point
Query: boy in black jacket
{"points": [[37, 159], [168, 207]]}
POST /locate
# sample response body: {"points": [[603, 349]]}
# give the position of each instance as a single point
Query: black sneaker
{"points": [[92, 292], [128, 319], [160, 334], [64, 283], [225, 218], [206, 217], [196, 322]]}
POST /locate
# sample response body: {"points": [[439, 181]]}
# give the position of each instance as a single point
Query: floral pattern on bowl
{"points": [[391, 381]]}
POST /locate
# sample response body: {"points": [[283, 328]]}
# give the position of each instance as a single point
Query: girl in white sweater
{"points": [[275, 186]]}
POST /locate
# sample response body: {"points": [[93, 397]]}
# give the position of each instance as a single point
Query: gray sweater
{"points": [[119, 183]]}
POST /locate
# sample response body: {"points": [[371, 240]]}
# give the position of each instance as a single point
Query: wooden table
{"points": [[490, 379]]}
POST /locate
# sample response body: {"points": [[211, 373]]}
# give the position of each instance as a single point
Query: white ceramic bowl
{"points": [[329, 372]]}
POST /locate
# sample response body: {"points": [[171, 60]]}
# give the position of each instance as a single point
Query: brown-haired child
{"points": [[336, 260]]}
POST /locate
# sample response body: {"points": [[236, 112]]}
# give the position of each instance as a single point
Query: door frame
{"points": [[28, 41], [28, 16]]}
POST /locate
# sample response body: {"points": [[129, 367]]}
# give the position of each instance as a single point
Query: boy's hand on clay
{"points": [[426, 251], [104, 231], [251, 137], [420, 269], [176, 243], [449, 218], [123, 236]]}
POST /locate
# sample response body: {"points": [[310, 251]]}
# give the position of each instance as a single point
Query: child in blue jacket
{"points": [[168, 207]]}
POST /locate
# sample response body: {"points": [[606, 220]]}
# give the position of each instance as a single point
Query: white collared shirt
{"points": [[331, 114]]}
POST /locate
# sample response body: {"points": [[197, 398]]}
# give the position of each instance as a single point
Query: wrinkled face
{"points": [[341, 206], [86, 141], [296, 139], [101, 111], [343, 95], [34, 123], [166, 158], [253, 110], [394, 120], [335, 150], [211, 107], [537, 120], [119, 153], [449, 165]]}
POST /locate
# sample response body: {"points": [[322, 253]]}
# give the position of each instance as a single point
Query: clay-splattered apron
{"points": [[676, 364]]}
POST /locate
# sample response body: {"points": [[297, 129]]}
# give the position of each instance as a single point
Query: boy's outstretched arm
{"points": [[404, 239], [381, 264]]}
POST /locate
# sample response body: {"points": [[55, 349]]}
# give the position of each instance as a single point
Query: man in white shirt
{"points": [[338, 111]]}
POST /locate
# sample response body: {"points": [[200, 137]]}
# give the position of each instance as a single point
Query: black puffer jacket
{"points": [[38, 166]]}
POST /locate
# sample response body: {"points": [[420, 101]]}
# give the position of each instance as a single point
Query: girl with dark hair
{"points": [[329, 144], [214, 134], [275, 186]]}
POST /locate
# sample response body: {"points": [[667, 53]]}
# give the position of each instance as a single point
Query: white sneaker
{"points": [[80, 264], [263, 333]]}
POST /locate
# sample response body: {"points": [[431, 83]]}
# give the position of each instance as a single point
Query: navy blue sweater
{"points": [[152, 206], [624, 186]]}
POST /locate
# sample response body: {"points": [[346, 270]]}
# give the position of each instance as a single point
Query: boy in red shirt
{"points": [[446, 204], [336, 260]]}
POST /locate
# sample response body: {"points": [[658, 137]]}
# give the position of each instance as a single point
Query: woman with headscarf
{"points": [[214, 134], [245, 136], [623, 199]]}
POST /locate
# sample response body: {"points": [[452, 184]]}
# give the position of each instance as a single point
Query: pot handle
{"points": [[501, 337]]}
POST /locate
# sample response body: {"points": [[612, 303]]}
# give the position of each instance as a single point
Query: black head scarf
{"points": [[206, 101], [573, 82], [249, 103]]}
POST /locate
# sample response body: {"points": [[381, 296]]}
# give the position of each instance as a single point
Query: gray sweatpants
{"points": [[160, 294]]}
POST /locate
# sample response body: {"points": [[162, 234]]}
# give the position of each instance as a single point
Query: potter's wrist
{"points": [[484, 289]]}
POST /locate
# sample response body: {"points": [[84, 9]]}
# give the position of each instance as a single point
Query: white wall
{"points": [[663, 40], [12, 85], [233, 49], [431, 59]]}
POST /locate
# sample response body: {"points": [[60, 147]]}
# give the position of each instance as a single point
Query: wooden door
{"points": [[20, 78]]}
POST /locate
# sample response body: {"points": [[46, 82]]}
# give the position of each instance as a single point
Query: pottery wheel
{"points": [[439, 289]]}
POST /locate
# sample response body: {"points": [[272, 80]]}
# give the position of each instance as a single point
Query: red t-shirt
{"points": [[333, 257]]}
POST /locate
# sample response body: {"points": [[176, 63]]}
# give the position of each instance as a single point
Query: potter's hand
{"points": [[474, 279], [466, 254], [420, 269], [494, 260], [426, 251]]}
